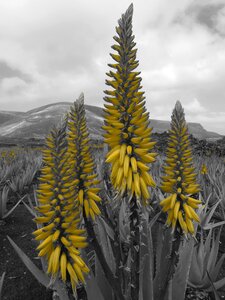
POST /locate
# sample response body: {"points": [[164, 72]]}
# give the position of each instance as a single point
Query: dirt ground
{"points": [[19, 283]]}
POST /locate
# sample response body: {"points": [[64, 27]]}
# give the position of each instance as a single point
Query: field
{"points": [[19, 178]]}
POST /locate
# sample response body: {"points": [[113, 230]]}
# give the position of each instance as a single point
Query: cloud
{"points": [[12, 84], [194, 107], [206, 14], [220, 21], [55, 50]]}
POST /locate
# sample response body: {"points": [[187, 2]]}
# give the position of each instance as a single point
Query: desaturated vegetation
{"points": [[138, 217]]}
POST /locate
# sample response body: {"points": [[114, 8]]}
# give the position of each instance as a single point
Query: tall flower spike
{"points": [[126, 120], [82, 163], [60, 234], [180, 179]]}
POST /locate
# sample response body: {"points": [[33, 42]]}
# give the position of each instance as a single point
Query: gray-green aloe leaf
{"points": [[38, 274], [1, 284]]}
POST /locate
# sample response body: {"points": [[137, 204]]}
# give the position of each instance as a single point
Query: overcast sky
{"points": [[52, 50]]}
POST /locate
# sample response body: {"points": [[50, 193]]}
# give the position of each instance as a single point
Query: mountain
{"points": [[36, 123], [196, 129]]}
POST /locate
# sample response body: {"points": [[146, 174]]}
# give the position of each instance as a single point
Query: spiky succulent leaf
{"points": [[205, 266], [126, 120]]}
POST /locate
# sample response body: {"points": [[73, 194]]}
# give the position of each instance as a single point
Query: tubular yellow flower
{"points": [[57, 207], [126, 121], [204, 169], [179, 179], [83, 166]]}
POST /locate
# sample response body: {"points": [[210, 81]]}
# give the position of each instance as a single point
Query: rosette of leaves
{"points": [[206, 264], [128, 134], [179, 180], [60, 235], [81, 161]]}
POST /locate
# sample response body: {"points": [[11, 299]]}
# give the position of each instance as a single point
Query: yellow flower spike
{"points": [[83, 169], [179, 179], [125, 110]]}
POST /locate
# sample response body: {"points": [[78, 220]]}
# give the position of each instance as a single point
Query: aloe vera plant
{"points": [[206, 264], [4, 212], [128, 136], [134, 254]]}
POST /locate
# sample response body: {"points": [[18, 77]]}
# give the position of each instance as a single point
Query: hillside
{"points": [[36, 123]]}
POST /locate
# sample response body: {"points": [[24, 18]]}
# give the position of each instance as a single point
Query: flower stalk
{"points": [[60, 235], [83, 172], [179, 180], [180, 183], [128, 135], [81, 162]]}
